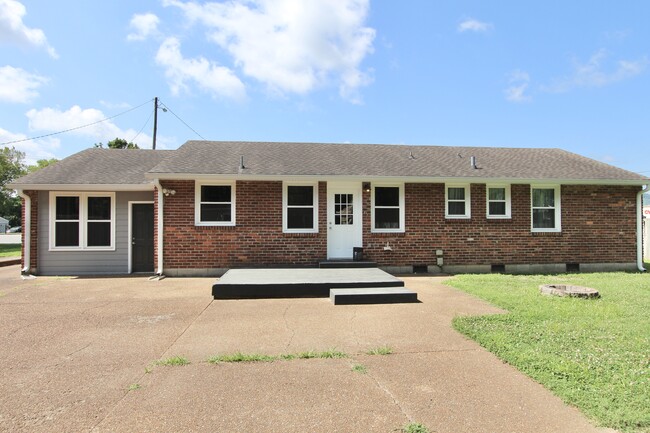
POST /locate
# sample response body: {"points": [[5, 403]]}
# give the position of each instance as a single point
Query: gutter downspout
{"points": [[27, 231], [159, 243], [639, 228]]}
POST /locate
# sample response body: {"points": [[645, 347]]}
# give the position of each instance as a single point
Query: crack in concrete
{"points": [[139, 379], [389, 394], [286, 325], [354, 330], [78, 350]]}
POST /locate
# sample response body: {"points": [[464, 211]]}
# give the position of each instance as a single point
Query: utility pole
{"points": [[155, 121]]}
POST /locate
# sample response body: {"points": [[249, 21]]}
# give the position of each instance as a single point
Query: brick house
{"points": [[210, 206]]}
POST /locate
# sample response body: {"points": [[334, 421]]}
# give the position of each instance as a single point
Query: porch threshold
{"points": [[299, 282]]}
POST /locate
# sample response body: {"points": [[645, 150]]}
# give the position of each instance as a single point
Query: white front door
{"points": [[343, 219]]}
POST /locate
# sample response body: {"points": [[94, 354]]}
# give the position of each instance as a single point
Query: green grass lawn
{"points": [[594, 354], [9, 250]]}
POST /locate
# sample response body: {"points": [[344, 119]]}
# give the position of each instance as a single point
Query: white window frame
{"points": [[402, 213], [558, 209], [468, 201], [285, 206], [508, 201], [83, 220], [197, 204]]}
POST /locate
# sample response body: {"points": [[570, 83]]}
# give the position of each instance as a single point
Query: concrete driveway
{"points": [[72, 348]]}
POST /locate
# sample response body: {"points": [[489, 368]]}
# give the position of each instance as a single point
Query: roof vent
{"points": [[241, 163], [411, 156], [472, 162]]}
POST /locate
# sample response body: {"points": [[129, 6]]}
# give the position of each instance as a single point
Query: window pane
{"points": [[456, 208], [300, 218], [215, 212], [99, 208], [456, 194], [498, 208], [99, 234], [67, 234], [67, 208], [211, 193], [544, 218], [386, 218], [300, 195], [497, 194], [543, 197], [386, 196]]}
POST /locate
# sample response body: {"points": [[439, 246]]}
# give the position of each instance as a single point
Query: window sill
{"points": [[80, 249], [200, 224], [546, 233], [497, 218]]}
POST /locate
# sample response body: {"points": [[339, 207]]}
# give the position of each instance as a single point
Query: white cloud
{"points": [[18, 85], [595, 73], [144, 25], [218, 80], [473, 25], [13, 30], [516, 92], [291, 46], [55, 120], [34, 149]]}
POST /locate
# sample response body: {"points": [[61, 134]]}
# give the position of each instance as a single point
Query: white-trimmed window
{"points": [[215, 204], [498, 201], [388, 208], [457, 201], [82, 221], [545, 208], [300, 207]]}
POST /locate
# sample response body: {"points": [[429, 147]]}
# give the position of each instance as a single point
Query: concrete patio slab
{"points": [[73, 347]]}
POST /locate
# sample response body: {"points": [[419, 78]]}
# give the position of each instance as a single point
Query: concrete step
{"points": [[372, 295], [336, 264]]}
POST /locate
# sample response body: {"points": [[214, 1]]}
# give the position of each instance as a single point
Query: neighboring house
{"points": [[4, 225], [210, 206]]}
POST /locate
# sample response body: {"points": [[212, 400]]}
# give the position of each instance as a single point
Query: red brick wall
{"points": [[598, 226], [257, 239], [33, 251]]}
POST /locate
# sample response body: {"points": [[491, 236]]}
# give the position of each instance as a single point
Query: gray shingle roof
{"points": [[320, 159], [98, 166], [137, 167]]}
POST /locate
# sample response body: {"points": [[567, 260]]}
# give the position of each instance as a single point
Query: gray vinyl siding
{"points": [[87, 262]]}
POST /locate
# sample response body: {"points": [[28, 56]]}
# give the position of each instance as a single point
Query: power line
{"points": [[143, 126], [77, 127], [184, 123]]}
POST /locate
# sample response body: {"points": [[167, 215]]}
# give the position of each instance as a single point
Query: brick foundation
{"points": [[598, 226]]}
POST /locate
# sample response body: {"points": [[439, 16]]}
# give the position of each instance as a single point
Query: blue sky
{"points": [[574, 75]]}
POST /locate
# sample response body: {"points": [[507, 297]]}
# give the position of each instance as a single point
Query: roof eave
{"points": [[81, 187], [409, 179]]}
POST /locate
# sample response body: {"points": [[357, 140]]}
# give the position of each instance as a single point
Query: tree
{"points": [[11, 167], [118, 143], [41, 163]]}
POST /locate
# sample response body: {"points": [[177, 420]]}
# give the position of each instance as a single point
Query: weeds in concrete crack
{"points": [[381, 350], [414, 427], [173, 361]]}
